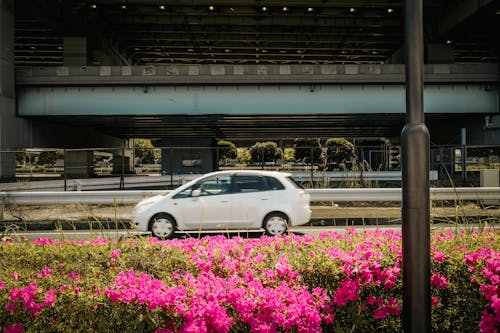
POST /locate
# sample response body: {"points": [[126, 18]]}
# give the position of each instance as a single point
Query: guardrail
{"points": [[133, 182], [338, 195]]}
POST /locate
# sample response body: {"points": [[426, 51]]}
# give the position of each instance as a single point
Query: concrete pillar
{"points": [[75, 51], [78, 163], [439, 54], [123, 161], [489, 178], [10, 128]]}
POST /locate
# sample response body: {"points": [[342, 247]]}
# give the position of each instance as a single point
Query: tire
{"points": [[275, 224], [162, 226]]}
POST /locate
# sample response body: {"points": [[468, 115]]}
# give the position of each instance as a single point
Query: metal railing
{"points": [[317, 195], [134, 182]]}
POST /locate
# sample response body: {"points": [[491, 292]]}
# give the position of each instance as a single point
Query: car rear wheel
{"points": [[162, 226], [275, 224]]}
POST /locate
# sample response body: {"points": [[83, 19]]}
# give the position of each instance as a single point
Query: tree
{"points": [[289, 154], [145, 152], [305, 147], [50, 157], [244, 156], [265, 152], [226, 151], [340, 150]]}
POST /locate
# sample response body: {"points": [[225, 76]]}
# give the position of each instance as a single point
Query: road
{"points": [[306, 230]]}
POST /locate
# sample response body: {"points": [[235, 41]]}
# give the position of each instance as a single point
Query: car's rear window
{"points": [[294, 182], [274, 184]]}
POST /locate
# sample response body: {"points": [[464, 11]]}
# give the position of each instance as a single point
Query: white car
{"points": [[226, 200]]}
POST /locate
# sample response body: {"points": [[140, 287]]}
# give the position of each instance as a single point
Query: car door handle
{"points": [[264, 198], [224, 201]]}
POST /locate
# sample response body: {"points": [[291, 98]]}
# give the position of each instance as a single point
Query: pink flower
{"points": [[50, 298], [15, 276], [15, 328], [439, 280], [46, 271], [440, 256], [2, 285], [115, 253], [434, 301]]}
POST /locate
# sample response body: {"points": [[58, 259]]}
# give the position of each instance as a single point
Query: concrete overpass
{"points": [[190, 75]]}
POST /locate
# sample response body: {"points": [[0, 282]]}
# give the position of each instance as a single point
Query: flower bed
{"points": [[329, 283]]}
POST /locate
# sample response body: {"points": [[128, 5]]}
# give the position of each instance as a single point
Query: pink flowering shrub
{"points": [[331, 283]]}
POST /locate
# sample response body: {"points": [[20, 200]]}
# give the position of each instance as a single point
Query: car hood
{"points": [[150, 200]]}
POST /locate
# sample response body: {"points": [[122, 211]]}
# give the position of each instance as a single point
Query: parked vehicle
{"points": [[227, 200]]}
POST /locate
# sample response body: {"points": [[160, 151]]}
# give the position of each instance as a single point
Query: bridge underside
{"points": [[445, 128]]}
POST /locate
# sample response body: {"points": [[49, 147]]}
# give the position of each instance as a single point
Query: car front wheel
{"points": [[275, 224], [162, 226]]}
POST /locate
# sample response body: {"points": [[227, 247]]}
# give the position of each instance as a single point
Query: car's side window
{"points": [[215, 185], [274, 184], [249, 183]]}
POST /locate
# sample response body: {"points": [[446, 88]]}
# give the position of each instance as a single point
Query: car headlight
{"points": [[142, 207]]}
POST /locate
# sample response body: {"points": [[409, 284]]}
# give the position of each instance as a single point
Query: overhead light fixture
{"points": [[33, 47], [162, 7], [352, 10], [190, 50], [59, 47], [227, 50], [263, 8], [374, 52], [390, 10], [284, 9], [310, 9], [263, 51], [124, 7], [211, 8], [449, 41], [93, 6]]}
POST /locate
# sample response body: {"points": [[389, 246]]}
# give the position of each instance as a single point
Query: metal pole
{"points": [[415, 182], [312, 166], [65, 173], [122, 171], [171, 162], [464, 155]]}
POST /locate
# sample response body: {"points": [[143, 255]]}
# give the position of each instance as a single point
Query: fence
{"points": [[27, 165]]}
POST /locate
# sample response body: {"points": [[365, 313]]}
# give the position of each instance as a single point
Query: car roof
{"points": [[250, 172]]}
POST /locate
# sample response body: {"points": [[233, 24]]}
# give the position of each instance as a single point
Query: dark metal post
{"points": [[217, 158], [464, 155], [415, 184], [312, 166], [171, 167], [65, 172], [122, 171]]}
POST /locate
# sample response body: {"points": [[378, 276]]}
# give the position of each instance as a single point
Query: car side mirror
{"points": [[195, 193]]}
